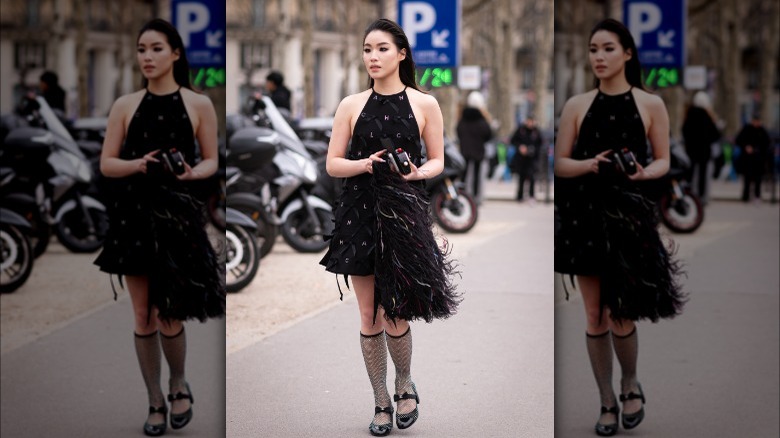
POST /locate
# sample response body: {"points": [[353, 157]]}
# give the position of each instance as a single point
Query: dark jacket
{"points": [[473, 132], [532, 139], [758, 138], [699, 132], [281, 97]]}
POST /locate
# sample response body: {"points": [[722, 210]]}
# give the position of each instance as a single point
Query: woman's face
{"points": [[607, 56], [155, 56], [380, 55]]}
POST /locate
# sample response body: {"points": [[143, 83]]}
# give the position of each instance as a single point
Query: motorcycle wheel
{"points": [[457, 215], [298, 230], [17, 258], [683, 215], [74, 235], [216, 207], [241, 258], [266, 231]]}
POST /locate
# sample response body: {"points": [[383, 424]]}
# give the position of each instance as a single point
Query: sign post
{"points": [[658, 28], [201, 24]]}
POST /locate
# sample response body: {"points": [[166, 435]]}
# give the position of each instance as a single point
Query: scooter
{"points": [[48, 155], [453, 207], [16, 254], [681, 210], [241, 256]]}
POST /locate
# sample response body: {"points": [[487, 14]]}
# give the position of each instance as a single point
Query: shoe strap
{"points": [[612, 410], [160, 410], [180, 396], [378, 410], [405, 396], [631, 396]]}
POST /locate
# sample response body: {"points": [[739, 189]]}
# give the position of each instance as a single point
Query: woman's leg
{"points": [[373, 346], [399, 344], [174, 346], [599, 343], [624, 338], [147, 344]]}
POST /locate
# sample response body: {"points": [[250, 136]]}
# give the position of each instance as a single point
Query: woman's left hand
{"points": [[189, 173], [640, 174], [416, 173]]}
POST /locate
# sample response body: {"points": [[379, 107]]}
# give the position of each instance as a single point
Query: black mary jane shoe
{"points": [[381, 429], [608, 429], [631, 421], [404, 421], [180, 420], [156, 429]]}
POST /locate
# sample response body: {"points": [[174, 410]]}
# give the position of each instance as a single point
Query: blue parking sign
{"points": [[433, 29], [658, 28], [201, 24]]}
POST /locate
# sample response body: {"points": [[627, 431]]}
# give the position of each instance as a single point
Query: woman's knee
{"points": [[597, 320], [169, 327], [144, 323]]}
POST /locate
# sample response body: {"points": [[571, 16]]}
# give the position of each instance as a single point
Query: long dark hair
{"points": [[181, 67], [633, 70], [406, 69]]}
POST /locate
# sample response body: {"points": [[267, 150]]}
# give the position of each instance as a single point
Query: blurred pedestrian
{"points": [[753, 141], [608, 234], [280, 94], [473, 132], [700, 131], [527, 140], [377, 249], [51, 90], [156, 238]]}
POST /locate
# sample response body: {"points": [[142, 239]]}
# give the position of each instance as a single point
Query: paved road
{"points": [[487, 371], [711, 372]]}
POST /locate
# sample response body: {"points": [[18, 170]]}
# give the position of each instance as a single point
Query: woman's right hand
{"points": [[374, 157], [143, 162], [593, 163]]}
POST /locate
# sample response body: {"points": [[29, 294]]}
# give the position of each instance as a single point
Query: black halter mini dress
{"points": [[608, 223], [156, 223], [382, 223]]}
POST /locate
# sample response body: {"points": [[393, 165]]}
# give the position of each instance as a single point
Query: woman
{"points": [[156, 238], [608, 236], [473, 132], [382, 219], [700, 132]]}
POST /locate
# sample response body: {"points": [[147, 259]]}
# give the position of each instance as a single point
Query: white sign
{"points": [[470, 77], [695, 77]]}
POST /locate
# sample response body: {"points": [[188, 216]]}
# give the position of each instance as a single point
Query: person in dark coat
{"points": [[753, 140], [51, 90], [528, 143], [473, 131], [699, 132], [280, 94]]}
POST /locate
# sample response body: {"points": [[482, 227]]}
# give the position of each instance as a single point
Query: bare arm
{"points": [[337, 165], [659, 139], [433, 135], [110, 164], [565, 166], [207, 138]]}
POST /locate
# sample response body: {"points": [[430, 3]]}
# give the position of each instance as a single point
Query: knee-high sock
{"points": [[600, 353], [400, 348], [375, 356], [147, 348], [175, 349], [627, 351]]}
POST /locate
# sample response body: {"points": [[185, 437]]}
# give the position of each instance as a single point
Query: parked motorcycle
{"points": [[681, 210], [16, 255], [302, 217], [44, 153], [453, 207], [241, 254]]}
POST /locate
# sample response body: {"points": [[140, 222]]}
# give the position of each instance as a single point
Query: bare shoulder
{"points": [[424, 100], [128, 102], [198, 100], [581, 102], [649, 101]]}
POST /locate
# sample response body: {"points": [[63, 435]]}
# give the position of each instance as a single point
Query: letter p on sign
{"points": [[643, 18], [419, 17], [192, 18]]}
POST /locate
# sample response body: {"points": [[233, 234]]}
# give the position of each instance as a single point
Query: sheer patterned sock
{"points": [[600, 354], [400, 348], [627, 352], [375, 356], [175, 350], [147, 348]]}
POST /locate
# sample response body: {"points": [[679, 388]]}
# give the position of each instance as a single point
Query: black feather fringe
{"points": [[413, 275], [642, 279]]}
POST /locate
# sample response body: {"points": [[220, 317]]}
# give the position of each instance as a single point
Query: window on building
{"points": [[258, 13], [29, 55], [255, 55], [33, 13]]}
